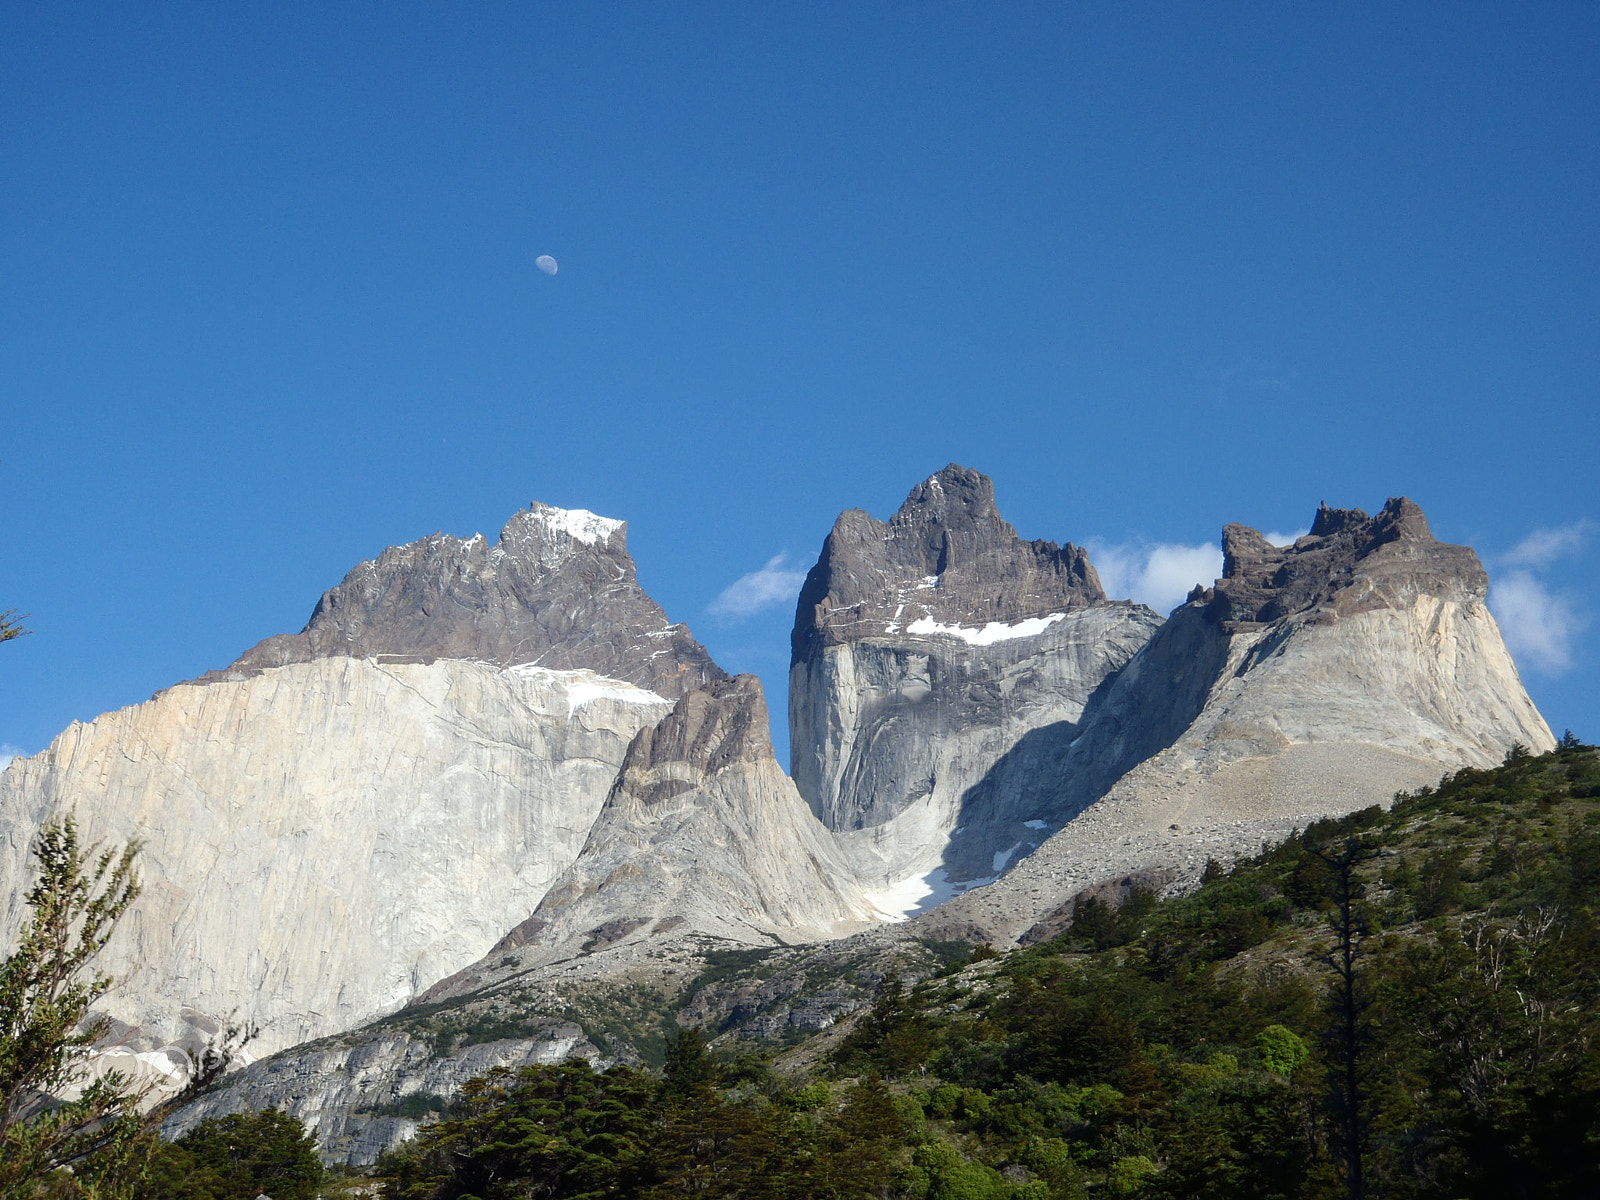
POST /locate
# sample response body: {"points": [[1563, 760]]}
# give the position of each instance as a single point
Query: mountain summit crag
{"points": [[1348, 563], [558, 589], [1309, 680], [946, 557]]}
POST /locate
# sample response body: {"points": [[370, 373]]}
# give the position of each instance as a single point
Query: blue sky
{"points": [[268, 300]]}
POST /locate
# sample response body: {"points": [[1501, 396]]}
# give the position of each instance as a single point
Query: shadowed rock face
{"points": [[559, 589]]}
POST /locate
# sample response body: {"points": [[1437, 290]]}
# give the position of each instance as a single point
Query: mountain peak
{"points": [[574, 524], [953, 498], [1349, 562], [946, 555], [558, 589]]}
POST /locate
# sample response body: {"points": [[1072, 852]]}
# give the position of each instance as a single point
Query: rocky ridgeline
{"points": [[492, 798]]}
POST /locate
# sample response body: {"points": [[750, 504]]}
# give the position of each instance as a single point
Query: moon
{"points": [[546, 264]]}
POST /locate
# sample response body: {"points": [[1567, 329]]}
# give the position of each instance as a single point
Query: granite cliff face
{"points": [[703, 843], [940, 666], [347, 815], [558, 589], [966, 709], [1310, 680]]}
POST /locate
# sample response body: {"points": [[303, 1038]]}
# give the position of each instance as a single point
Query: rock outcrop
{"points": [[363, 1096], [1311, 680], [940, 666], [558, 589], [702, 835], [352, 813]]}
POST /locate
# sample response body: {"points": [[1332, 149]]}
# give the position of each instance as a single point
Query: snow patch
{"points": [[579, 524], [917, 894], [1036, 824], [1002, 857], [583, 687], [994, 631], [579, 694]]}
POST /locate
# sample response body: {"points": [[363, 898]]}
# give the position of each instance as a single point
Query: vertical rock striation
{"points": [[702, 834]]}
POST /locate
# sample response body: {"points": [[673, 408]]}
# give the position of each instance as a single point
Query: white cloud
{"points": [[1543, 546], [1539, 626], [8, 752], [1284, 539], [772, 585], [1159, 574]]}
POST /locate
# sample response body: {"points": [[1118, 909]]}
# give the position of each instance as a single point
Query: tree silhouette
{"points": [[1348, 1031]]}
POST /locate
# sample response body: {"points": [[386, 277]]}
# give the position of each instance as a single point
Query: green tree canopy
{"points": [[239, 1157], [47, 989]]}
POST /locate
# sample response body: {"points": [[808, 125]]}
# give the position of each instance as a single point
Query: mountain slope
{"points": [[702, 834], [1309, 681]]}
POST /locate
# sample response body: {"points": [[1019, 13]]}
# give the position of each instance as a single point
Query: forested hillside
{"points": [[1400, 1003]]}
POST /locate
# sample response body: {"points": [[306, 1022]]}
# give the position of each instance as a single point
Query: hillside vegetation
{"points": [[1399, 1003]]}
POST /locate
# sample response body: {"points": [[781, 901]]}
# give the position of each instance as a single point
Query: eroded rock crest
{"points": [[558, 589]]}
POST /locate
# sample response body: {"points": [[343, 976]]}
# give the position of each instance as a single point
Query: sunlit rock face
{"points": [[351, 813], [702, 842], [940, 667]]}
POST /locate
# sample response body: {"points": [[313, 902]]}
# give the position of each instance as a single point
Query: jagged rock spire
{"points": [[946, 554]]}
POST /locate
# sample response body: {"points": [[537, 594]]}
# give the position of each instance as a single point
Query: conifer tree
{"points": [[47, 988]]}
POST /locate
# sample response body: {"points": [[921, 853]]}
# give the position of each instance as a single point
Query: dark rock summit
{"points": [[707, 731], [1348, 563], [948, 555], [558, 589]]}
